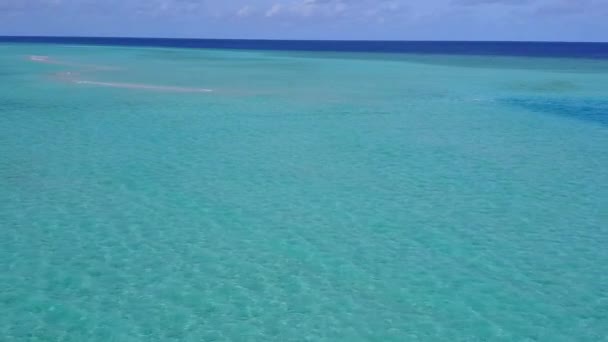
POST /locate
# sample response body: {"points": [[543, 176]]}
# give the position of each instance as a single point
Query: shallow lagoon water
{"points": [[311, 196]]}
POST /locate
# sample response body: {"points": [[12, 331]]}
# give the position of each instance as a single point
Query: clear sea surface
{"points": [[309, 196]]}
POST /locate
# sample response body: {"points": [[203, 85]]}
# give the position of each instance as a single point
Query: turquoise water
{"points": [[307, 197]]}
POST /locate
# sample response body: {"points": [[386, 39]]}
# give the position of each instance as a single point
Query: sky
{"points": [[536, 20]]}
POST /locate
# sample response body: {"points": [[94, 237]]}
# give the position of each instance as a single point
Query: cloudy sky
{"points": [[561, 20]]}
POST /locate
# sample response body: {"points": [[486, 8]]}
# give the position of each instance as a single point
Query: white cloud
{"points": [[274, 10], [352, 9], [245, 11]]}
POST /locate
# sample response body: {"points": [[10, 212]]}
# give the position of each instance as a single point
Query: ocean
{"points": [[212, 190]]}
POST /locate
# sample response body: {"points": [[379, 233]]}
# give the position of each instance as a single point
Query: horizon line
{"points": [[312, 40]]}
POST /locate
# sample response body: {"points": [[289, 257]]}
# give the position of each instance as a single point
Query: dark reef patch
{"points": [[588, 109]]}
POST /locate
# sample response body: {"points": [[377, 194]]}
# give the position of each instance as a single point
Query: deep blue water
{"points": [[595, 110], [532, 49]]}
